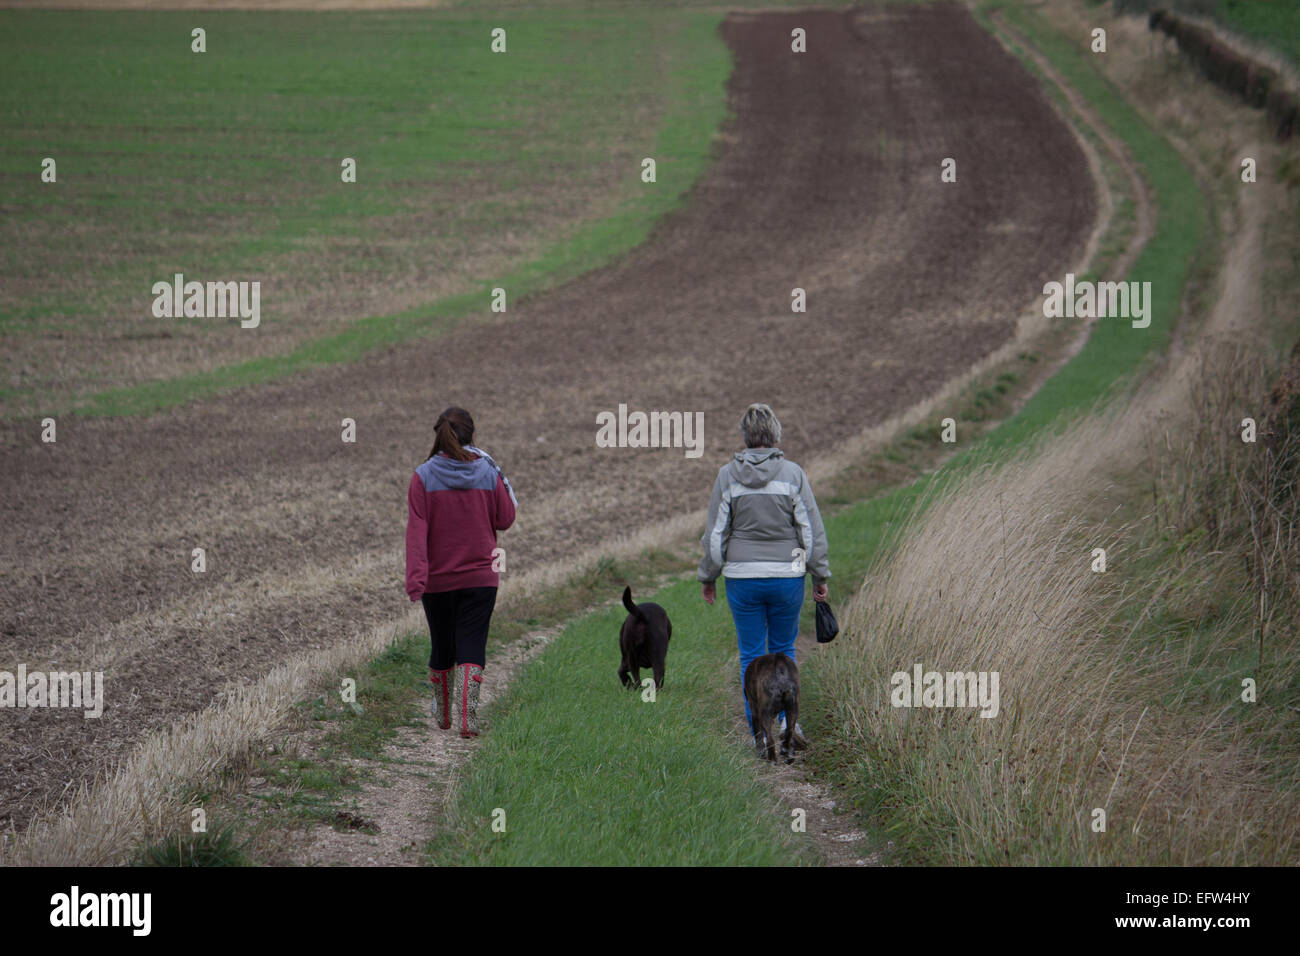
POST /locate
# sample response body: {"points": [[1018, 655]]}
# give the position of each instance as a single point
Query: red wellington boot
{"points": [[470, 678], [441, 706]]}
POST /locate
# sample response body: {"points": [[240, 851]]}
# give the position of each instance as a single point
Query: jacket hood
{"points": [[458, 474], [755, 467]]}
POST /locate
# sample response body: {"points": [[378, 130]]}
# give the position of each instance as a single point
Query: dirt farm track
{"points": [[827, 178]]}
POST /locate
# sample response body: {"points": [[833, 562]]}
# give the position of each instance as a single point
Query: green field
{"points": [[474, 170], [1272, 23]]}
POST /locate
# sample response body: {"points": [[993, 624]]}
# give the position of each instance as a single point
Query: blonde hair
{"points": [[760, 427]]}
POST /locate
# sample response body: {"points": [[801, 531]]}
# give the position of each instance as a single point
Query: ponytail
{"points": [[453, 430]]}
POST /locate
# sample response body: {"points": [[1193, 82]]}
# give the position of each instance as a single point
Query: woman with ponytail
{"points": [[457, 502]]}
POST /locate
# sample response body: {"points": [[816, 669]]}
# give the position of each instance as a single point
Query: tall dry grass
{"points": [[1120, 691], [1244, 504]]}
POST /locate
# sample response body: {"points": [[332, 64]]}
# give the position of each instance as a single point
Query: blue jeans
{"points": [[766, 612]]}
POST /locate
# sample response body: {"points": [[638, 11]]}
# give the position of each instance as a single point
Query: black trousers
{"points": [[458, 625]]}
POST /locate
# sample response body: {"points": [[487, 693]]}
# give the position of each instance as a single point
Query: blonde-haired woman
{"points": [[763, 534]]}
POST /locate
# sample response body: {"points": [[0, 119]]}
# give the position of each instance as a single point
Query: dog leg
{"points": [[771, 739], [760, 740], [787, 741], [624, 677], [659, 674]]}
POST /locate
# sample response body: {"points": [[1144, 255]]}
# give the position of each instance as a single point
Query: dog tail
{"points": [[786, 683], [631, 607]]}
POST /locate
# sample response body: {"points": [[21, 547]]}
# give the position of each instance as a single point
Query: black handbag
{"points": [[827, 626]]}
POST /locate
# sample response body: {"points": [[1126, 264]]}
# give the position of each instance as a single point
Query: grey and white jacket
{"points": [[763, 521]]}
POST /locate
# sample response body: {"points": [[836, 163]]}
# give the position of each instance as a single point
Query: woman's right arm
{"points": [[417, 539], [716, 527]]}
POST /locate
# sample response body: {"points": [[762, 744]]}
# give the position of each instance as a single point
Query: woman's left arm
{"points": [[505, 505]]}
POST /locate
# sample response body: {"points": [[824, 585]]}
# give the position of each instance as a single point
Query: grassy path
{"points": [[588, 773]]}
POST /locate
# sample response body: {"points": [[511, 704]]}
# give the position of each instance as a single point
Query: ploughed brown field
{"points": [[827, 178]]}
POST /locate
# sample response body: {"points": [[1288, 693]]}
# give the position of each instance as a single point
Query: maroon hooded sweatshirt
{"points": [[456, 509]]}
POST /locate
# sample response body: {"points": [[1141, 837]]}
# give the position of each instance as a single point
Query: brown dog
{"points": [[644, 641], [772, 686]]}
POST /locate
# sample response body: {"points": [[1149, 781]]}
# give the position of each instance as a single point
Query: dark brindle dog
{"points": [[644, 641], [772, 686]]}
